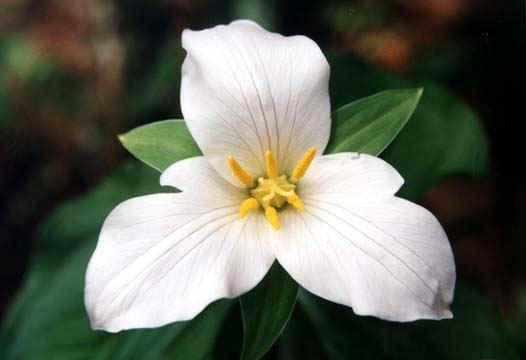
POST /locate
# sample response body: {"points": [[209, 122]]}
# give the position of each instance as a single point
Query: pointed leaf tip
{"points": [[160, 144], [370, 124]]}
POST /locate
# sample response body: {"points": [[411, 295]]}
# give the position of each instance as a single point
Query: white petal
{"points": [[385, 256], [197, 176], [357, 176], [163, 258], [245, 90]]}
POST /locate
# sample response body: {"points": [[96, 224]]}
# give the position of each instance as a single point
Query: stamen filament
{"points": [[295, 201], [241, 174], [272, 216], [303, 164], [247, 205], [272, 164]]}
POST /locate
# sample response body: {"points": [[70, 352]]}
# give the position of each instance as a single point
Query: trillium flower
{"points": [[257, 104]]}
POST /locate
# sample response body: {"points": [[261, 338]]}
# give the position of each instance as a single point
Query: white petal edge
{"points": [[384, 257], [245, 90], [164, 257]]}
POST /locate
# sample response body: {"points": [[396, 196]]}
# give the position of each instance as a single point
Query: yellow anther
{"points": [[295, 201], [240, 173], [272, 216], [303, 164], [247, 205], [272, 164]]}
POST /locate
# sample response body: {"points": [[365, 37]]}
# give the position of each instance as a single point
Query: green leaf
{"points": [[266, 311], [48, 319], [370, 124], [474, 333], [161, 143], [443, 138]]}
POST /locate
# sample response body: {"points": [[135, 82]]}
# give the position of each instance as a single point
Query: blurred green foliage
{"points": [[353, 16], [516, 324], [7, 119]]}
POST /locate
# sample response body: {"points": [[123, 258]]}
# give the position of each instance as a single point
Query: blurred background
{"points": [[75, 74]]}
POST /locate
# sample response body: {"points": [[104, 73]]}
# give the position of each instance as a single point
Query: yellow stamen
{"points": [[274, 191], [272, 216], [295, 201], [247, 205], [272, 164], [303, 164], [240, 173]]}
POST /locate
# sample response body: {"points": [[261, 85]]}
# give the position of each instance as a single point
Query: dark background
{"points": [[74, 74]]}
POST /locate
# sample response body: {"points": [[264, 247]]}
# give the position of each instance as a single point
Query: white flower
{"points": [[257, 104]]}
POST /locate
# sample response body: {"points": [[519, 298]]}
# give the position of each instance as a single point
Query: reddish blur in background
{"points": [[74, 74]]}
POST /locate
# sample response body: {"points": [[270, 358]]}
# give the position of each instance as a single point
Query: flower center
{"points": [[274, 191]]}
